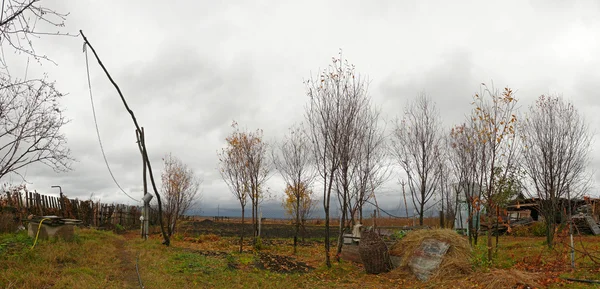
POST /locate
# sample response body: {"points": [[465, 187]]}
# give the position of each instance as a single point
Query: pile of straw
{"points": [[455, 264]]}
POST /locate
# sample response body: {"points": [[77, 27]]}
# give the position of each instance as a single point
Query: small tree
{"points": [[254, 158], [293, 160], [556, 147], [417, 145], [180, 189], [298, 203], [232, 168], [494, 122]]}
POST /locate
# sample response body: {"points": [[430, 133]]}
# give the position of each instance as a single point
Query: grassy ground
{"points": [[98, 259]]}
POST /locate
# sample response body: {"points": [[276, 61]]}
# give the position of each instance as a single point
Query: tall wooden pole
{"points": [[144, 152], [402, 182], [145, 210]]}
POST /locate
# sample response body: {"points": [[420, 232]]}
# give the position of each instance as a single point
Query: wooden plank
{"points": [[593, 225], [20, 202], [9, 199]]}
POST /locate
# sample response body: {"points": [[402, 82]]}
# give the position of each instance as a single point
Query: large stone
{"points": [[427, 258], [65, 232]]}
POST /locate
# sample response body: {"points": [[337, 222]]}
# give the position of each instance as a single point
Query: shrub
{"points": [[538, 229], [7, 223], [258, 244]]}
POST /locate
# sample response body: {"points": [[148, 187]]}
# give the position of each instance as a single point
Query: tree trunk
{"points": [[497, 227], [422, 206], [253, 218], [242, 235], [550, 226], [327, 200], [489, 236], [169, 225], [297, 220], [360, 215], [340, 241]]}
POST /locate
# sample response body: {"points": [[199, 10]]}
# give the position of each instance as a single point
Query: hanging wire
{"points": [[96, 123]]}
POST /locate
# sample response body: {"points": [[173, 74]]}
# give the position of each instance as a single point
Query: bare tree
{"points": [[372, 169], [180, 188], [30, 127], [556, 148], [336, 100], [293, 160], [464, 164], [31, 119], [232, 168], [417, 143], [23, 21], [448, 200], [254, 151]]}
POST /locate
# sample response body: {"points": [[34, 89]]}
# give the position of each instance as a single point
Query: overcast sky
{"points": [[188, 68]]}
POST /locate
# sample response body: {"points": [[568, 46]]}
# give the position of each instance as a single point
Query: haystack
{"points": [[456, 262]]}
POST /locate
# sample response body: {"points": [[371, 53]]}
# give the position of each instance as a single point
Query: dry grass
{"points": [[95, 260], [455, 264], [508, 278], [90, 261]]}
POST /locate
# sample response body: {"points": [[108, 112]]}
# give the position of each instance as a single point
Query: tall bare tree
{"points": [[448, 197], [180, 189], [232, 168], [372, 169], [466, 167], [417, 145], [293, 159], [31, 118], [555, 157], [336, 99], [254, 150]]}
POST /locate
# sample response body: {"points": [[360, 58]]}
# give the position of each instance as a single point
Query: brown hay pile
{"points": [[455, 264], [511, 278]]}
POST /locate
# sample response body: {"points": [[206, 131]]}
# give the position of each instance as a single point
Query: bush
{"points": [[538, 229], [258, 244], [398, 235], [8, 223]]}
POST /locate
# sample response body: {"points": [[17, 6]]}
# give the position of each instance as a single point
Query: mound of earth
{"points": [[206, 222], [281, 264]]}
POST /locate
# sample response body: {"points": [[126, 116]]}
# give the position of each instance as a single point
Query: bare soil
{"points": [[126, 265], [268, 231]]}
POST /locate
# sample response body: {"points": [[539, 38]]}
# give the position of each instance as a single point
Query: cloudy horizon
{"points": [[190, 68]]}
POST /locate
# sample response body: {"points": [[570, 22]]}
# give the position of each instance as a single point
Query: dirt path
{"points": [[126, 264]]}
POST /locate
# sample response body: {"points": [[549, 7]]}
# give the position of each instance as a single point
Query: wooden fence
{"points": [[94, 214]]}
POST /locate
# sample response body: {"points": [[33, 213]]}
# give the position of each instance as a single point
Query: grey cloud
{"points": [[188, 69], [451, 84]]}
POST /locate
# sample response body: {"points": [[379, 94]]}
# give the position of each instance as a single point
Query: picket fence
{"points": [[94, 214]]}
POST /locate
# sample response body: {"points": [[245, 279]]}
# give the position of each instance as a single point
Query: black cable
{"points": [[96, 123], [385, 211]]}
